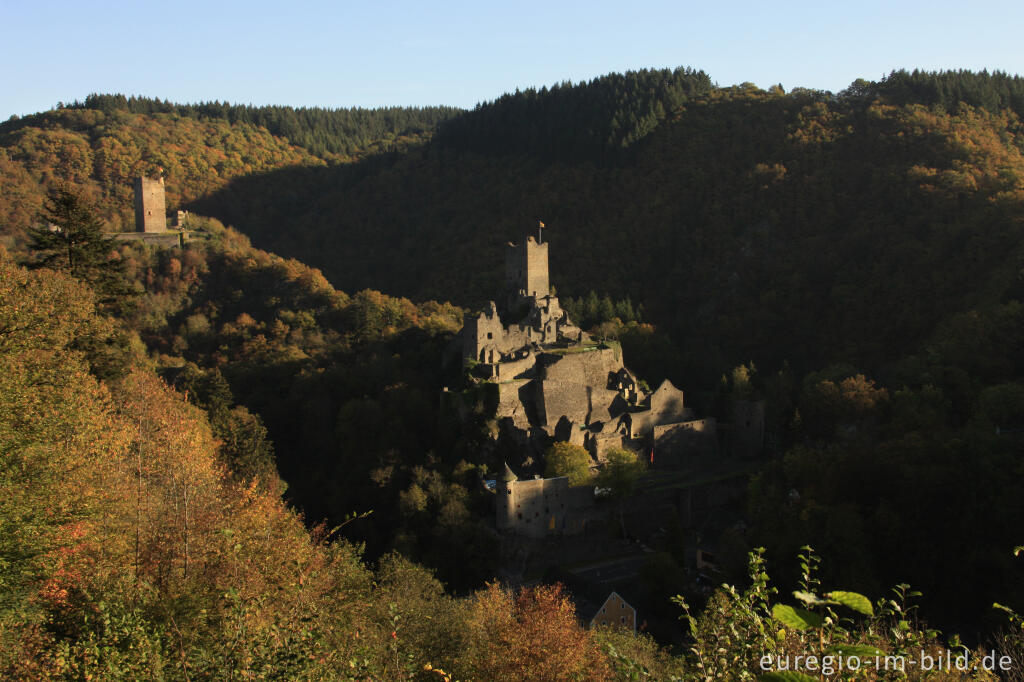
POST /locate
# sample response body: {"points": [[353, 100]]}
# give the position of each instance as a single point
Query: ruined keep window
{"points": [[509, 491], [519, 516], [623, 619], [490, 335]]}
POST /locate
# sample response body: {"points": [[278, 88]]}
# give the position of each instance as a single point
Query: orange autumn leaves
{"points": [[113, 491], [530, 635], [127, 551]]}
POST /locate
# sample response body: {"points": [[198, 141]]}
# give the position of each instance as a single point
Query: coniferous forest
{"points": [[230, 459]]}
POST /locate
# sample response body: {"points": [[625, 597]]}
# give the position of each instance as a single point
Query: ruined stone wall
{"points": [[585, 367], [486, 339], [543, 506], [510, 404], [150, 205], [166, 239], [667, 405], [573, 385], [556, 399], [605, 404], [642, 423], [482, 332], [696, 437], [570, 432], [515, 369], [517, 336], [599, 443]]}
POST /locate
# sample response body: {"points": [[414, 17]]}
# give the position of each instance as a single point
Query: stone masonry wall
{"points": [[150, 205], [526, 268], [543, 506]]}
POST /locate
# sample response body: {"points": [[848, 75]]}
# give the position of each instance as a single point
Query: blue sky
{"points": [[417, 53]]}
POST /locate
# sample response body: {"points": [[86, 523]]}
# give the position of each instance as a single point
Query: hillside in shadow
{"points": [[751, 224]]}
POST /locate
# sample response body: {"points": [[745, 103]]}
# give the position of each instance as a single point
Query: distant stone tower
{"points": [[526, 268], [150, 211]]}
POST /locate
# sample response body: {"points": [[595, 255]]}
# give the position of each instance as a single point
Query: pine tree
{"points": [[72, 240]]}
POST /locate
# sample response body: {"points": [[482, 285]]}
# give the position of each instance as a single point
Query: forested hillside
{"points": [[854, 259], [346, 386], [752, 224], [134, 546], [99, 146], [327, 133], [144, 536], [862, 249]]}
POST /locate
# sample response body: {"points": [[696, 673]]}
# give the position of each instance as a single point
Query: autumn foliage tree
{"points": [[121, 534], [532, 634]]}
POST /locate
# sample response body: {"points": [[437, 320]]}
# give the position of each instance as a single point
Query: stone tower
{"points": [[506, 502], [150, 211], [526, 269]]}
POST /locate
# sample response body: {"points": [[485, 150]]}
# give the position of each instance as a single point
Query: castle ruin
{"points": [[553, 378], [555, 382], [151, 216], [150, 205]]}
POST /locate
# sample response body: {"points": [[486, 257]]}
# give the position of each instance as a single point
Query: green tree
{"points": [[72, 240], [568, 459], [619, 477]]}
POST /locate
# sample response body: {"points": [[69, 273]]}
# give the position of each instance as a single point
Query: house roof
{"points": [[604, 605]]}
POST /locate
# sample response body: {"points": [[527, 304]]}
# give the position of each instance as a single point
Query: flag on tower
{"points": [[540, 223]]}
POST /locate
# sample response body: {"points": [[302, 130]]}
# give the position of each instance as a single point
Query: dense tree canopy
{"points": [[863, 248]]}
